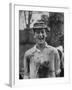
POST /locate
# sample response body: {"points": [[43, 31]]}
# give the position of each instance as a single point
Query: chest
{"points": [[42, 56]]}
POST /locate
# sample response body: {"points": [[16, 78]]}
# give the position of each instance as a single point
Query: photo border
{"points": [[14, 62]]}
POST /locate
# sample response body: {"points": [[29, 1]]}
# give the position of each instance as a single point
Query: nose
{"points": [[40, 34]]}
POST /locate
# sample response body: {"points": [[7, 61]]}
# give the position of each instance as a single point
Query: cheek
{"points": [[44, 35], [35, 36]]}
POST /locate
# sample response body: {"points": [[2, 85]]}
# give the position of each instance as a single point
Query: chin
{"points": [[41, 42]]}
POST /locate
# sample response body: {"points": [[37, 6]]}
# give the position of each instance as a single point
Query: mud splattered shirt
{"points": [[41, 64]]}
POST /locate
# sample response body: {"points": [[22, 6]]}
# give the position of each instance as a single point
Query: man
{"points": [[61, 55], [41, 61]]}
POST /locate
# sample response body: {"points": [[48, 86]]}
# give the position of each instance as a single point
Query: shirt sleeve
{"points": [[62, 60], [25, 67], [57, 63]]}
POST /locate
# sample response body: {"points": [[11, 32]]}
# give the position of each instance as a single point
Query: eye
{"points": [[37, 31], [42, 31]]}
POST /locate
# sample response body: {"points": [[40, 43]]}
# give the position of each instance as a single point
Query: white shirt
{"points": [[41, 64]]}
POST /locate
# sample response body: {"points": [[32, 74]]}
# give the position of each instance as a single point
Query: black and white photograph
{"points": [[41, 44]]}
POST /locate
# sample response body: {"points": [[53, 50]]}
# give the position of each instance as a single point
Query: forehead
{"points": [[38, 30]]}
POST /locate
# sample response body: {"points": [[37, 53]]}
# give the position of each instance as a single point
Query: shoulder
{"points": [[52, 49], [30, 51]]}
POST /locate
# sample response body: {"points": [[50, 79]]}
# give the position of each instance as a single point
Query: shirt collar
{"points": [[46, 44], [35, 48]]}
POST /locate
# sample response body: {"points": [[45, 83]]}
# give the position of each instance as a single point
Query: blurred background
{"points": [[55, 36]]}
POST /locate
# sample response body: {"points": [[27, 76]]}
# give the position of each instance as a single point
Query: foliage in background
{"points": [[56, 23]]}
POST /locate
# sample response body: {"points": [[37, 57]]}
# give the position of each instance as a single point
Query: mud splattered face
{"points": [[40, 35]]}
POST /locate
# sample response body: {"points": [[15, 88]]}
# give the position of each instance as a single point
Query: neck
{"points": [[41, 46]]}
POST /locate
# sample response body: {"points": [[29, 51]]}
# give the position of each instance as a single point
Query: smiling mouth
{"points": [[41, 38]]}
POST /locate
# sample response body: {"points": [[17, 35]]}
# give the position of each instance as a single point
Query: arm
{"points": [[25, 67], [57, 63]]}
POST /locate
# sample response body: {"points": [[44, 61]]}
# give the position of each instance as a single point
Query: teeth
{"points": [[40, 38]]}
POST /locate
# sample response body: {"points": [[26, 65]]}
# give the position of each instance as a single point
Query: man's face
{"points": [[40, 35]]}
